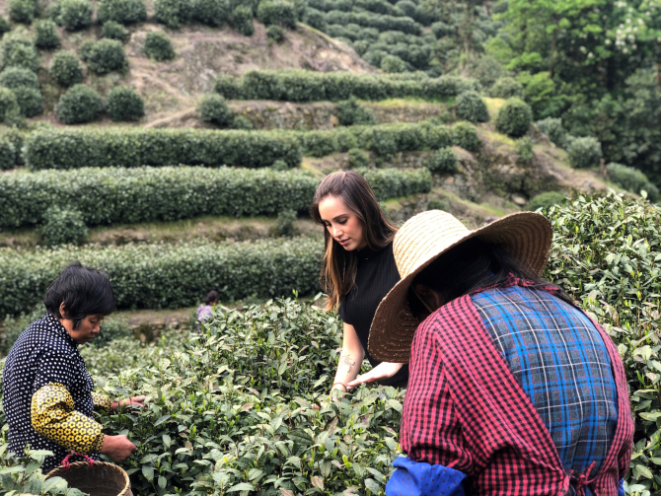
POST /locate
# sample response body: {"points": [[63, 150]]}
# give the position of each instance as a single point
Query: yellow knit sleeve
{"points": [[53, 417], [101, 401]]}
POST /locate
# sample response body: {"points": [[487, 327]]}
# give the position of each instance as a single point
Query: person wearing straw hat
{"points": [[358, 271], [513, 390]]}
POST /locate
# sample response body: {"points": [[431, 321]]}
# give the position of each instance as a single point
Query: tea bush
{"points": [[158, 46], [22, 11], [214, 110], [16, 139], [380, 22], [514, 118], [632, 180], [73, 148], [5, 27], [30, 101], [471, 107], [286, 223], [584, 152], [110, 195], [524, 150], [172, 13], [275, 34], [358, 158], [124, 104], [553, 128], [80, 104], [350, 112], [546, 200], [18, 77], [114, 31], [242, 20], [315, 19], [45, 35], [237, 270], [65, 69], [7, 153], [278, 12], [444, 161], [465, 135], [121, 11], [211, 12], [9, 109], [19, 51], [105, 56], [241, 122], [72, 15], [506, 87], [62, 225], [392, 64]]}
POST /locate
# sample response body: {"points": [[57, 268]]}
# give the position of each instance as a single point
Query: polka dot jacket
{"points": [[47, 395]]}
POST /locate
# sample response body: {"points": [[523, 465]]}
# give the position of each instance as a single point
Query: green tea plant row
{"points": [[310, 86], [146, 194], [75, 148], [168, 275]]}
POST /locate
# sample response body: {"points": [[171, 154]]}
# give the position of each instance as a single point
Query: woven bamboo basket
{"points": [[102, 479]]}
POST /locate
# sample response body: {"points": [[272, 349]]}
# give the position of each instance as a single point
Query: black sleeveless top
{"points": [[375, 277]]}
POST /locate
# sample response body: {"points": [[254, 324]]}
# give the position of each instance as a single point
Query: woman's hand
{"points": [[138, 401], [382, 371], [118, 448], [337, 391]]}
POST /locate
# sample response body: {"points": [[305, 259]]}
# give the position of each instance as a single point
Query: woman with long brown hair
{"points": [[358, 271]]}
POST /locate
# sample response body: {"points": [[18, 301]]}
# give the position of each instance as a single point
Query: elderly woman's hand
{"points": [[118, 448], [138, 401]]}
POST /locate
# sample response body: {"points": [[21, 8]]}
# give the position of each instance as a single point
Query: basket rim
{"points": [[127, 483]]}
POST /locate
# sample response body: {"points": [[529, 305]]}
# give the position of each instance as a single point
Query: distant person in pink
{"points": [[204, 311]]}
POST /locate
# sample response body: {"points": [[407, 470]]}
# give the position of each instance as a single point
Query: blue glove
{"points": [[422, 479]]}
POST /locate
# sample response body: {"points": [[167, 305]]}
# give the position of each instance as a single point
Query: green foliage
{"points": [[45, 35], [114, 31], [465, 135], [471, 107], [392, 63], [124, 104], [10, 139], [211, 12], [358, 158], [22, 11], [311, 86], [65, 69], [121, 11], [286, 223], [506, 87], [546, 200], [280, 165], [514, 118], [553, 128], [105, 56], [179, 192], [7, 153], [159, 47], [62, 225], [5, 27], [350, 113], [380, 22], [279, 12], [444, 161], [584, 152], [275, 34], [315, 19], [605, 254], [172, 13], [242, 20], [30, 101], [80, 104], [241, 122], [632, 180], [73, 15], [524, 150], [18, 51], [214, 110], [18, 77], [9, 109]]}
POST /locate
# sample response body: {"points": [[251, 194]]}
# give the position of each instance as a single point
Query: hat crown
{"points": [[423, 237]]}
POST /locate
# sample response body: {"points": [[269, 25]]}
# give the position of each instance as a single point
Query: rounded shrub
{"points": [[358, 158], [279, 12], [7, 153], [65, 69], [242, 20], [105, 56], [242, 122], [470, 106], [22, 11], [114, 31], [211, 12], [80, 104], [546, 200], [172, 13], [214, 110], [45, 35], [552, 127], [350, 113], [18, 77], [121, 11], [444, 161], [124, 104], [524, 150], [280, 165], [631, 179], [465, 135], [393, 64], [73, 15], [62, 225], [514, 118], [158, 46], [506, 87], [5, 27], [275, 34], [9, 109], [407, 7], [315, 19], [18, 51], [30, 101], [584, 152], [286, 223]]}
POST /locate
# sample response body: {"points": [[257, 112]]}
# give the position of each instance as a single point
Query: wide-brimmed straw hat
{"points": [[422, 239]]}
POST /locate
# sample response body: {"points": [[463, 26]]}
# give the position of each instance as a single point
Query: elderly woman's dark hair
{"points": [[211, 297], [83, 290]]}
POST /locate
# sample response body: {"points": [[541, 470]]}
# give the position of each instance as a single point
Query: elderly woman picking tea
{"points": [[48, 395]]}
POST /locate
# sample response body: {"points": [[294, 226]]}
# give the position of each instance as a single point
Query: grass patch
{"points": [[493, 106], [499, 138]]}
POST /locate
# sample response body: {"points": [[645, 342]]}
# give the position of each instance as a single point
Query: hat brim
{"points": [[526, 236]]}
